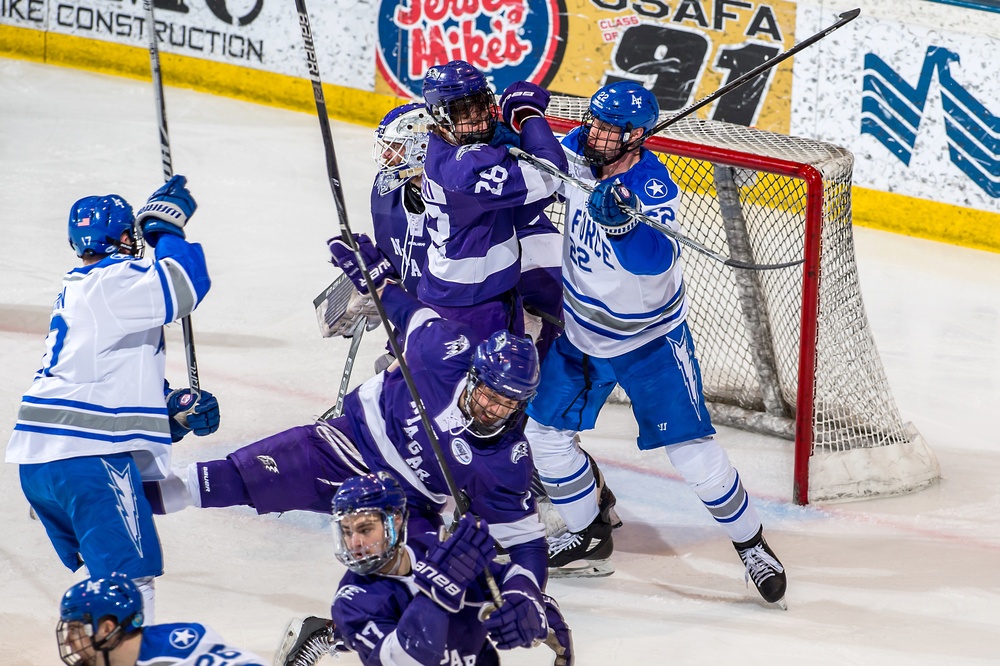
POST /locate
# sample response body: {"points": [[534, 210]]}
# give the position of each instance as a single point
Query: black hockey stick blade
{"points": [[645, 219], [842, 20]]}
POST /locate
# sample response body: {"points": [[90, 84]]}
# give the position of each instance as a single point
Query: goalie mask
{"points": [[461, 103], [369, 522], [616, 111], [85, 606], [400, 146], [502, 380], [102, 225]]}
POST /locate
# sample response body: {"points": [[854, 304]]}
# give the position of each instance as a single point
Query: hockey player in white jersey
{"points": [[98, 419], [625, 311], [101, 623]]}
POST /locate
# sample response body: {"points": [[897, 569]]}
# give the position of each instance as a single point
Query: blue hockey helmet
{"points": [[460, 101], [97, 225], [86, 605], [401, 146], [624, 105], [369, 521], [507, 365]]}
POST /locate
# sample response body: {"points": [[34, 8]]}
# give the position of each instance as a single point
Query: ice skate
{"points": [[582, 554], [306, 642], [764, 568]]}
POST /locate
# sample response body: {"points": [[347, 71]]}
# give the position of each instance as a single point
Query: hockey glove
{"points": [[448, 567], [379, 268], [560, 638], [167, 210], [522, 100], [521, 620], [605, 207], [187, 414]]}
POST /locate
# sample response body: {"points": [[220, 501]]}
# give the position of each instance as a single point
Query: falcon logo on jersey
{"points": [[348, 592], [519, 451], [460, 449], [456, 347], [183, 638], [269, 464]]}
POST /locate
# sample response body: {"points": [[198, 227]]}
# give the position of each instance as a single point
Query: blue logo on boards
{"points": [[892, 110]]}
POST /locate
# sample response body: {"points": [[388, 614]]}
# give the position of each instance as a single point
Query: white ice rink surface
{"points": [[908, 580]]}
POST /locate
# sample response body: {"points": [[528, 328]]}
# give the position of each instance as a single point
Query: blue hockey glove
{"points": [[167, 210], [560, 638], [379, 268], [447, 569], [522, 100], [505, 136], [521, 620], [187, 414], [604, 207]]}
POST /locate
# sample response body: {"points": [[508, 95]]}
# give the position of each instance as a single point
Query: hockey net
{"points": [[785, 352]]}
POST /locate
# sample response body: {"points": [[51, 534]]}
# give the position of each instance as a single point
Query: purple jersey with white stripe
{"points": [[386, 427], [472, 194], [400, 232]]}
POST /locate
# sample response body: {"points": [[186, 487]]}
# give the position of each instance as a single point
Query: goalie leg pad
{"points": [[706, 468], [299, 468]]}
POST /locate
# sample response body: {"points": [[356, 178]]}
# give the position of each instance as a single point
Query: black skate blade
{"points": [[589, 569]]}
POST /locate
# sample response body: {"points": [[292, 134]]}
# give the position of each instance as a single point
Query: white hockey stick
{"points": [[542, 165]]}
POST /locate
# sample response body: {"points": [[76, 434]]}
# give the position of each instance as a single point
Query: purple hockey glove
{"points": [[560, 638], [379, 268], [522, 100], [604, 207], [167, 210], [187, 414], [521, 620], [447, 569]]}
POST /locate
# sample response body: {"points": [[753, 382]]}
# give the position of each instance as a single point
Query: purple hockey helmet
{"points": [[361, 502], [460, 101], [508, 366]]}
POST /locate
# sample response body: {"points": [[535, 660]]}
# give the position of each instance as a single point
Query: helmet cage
{"points": [[467, 120], [480, 398], [401, 146], [86, 605], [608, 148], [374, 556]]}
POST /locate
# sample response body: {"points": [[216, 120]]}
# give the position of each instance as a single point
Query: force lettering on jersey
{"points": [[586, 244]]}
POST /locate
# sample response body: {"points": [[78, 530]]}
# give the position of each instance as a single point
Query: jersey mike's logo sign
{"points": [[509, 40]]}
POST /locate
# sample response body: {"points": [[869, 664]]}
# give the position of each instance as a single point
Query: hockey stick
{"points": [[843, 19], [337, 409], [461, 500], [168, 173], [541, 165]]}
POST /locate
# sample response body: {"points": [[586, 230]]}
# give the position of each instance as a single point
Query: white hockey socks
{"points": [[565, 473], [706, 468]]}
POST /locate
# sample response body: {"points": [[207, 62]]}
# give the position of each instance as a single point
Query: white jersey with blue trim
{"points": [[190, 644], [610, 309], [100, 388]]}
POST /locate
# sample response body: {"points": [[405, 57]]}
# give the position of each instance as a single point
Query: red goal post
{"points": [[785, 352]]}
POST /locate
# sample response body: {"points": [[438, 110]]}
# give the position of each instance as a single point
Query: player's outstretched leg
{"points": [[763, 567]]}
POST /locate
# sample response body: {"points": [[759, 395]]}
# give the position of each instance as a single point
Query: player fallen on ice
{"points": [[625, 311], [475, 395], [420, 599], [101, 623], [99, 417]]}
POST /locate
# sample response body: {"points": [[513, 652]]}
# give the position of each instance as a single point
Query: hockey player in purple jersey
{"points": [[626, 323], [475, 396], [101, 623], [476, 194], [417, 599], [95, 421]]}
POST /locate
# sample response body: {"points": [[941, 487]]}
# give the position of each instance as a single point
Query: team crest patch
{"points": [[456, 347], [269, 464], [349, 592], [656, 188], [183, 638], [519, 451], [466, 149], [460, 449]]}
